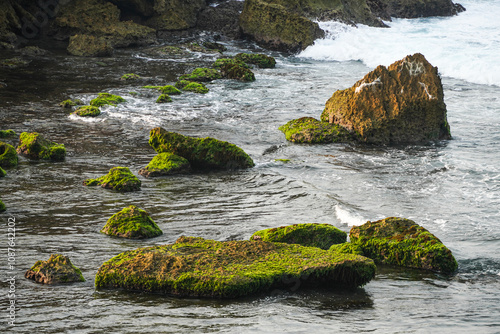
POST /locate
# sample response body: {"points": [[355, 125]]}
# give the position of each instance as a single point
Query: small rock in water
{"points": [[57, 269]]}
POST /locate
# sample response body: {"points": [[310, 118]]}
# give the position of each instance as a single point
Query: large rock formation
{"points": [[399, 104], [196, 267], [131, 223], [402, 242], [57, 269]]}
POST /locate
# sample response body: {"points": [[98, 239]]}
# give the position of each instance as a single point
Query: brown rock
{"points": [[57, 269]]}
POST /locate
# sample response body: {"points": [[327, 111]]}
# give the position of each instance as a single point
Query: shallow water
{"points": [[452, 188]]}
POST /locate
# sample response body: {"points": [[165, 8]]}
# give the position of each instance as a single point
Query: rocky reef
{"points": [[120, 179], [310, 235], [402, 242], [131, 223], [57, 269], [165, 164], [195, 267]]}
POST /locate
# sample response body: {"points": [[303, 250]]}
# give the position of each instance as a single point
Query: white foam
{"points": [[349, 218], [464, 46]]}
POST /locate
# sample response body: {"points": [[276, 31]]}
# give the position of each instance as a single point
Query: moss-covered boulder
{"points": [[402, 242], [310, 130], [310, 235], [202, 74], [202, 153], [234, 69], [180, 84], [194, 87], [8, 155], [71, 103], [131, 223], [87, 111], [165, 164], [163, 98], [403, 103], [175, 14], [106, 98], [7, 133], [34, 146], [130, 77], [195, 267], [259, 59], [119, 178], [57, 269], [347, 248], [2, 206], [83, 45], [168, 89]]}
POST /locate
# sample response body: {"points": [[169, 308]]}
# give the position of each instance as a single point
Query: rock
{"points": [[195, 267], [14, 63], [119, 178], [8, 155], [402, 242], [202, 74], [57, 269], [223, 19], [232, 68], [89, 46], [310, 235], [2, 172], [189, 86], [165, 164], [33, 51], [214, 46], [34, 146], [202, 153], [175, 14], [274, 26], [70, 103], [414, 9], [131, 223], [87, 111], [130, 77], [7, 133], [143, 7], [2, 206], [168, 89], [163, 98], [106, 98], [399, 104], [311, 131], [347, 248], [259, 59]]}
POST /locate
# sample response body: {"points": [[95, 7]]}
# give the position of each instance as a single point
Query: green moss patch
{"points": [[130, 77], [132, 223], [34, 146], [87, 111], [166, 164], [202, 153], [119, 178], [163, 98], [168, 89], [402, 242], [106, 98], [2, 172], [8, 155], [310, 130], [70, 103], [2, 206], [196, 267], [202, 74], [57, 269], [258, 59], [347, 248], [195, 87], [7, 133], [311, 235]]}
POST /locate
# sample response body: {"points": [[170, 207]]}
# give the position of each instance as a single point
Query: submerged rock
{"points": [[403, 103], [202, 153], [119, 178], [8, 155], [195, 267], [34, 146], [87, 111], [310, 130], [402, 242], [131, 223], [165, 164], [130, 77], [7, 133], [310, 235], [14, 63], [57, 269], [106, 98]]}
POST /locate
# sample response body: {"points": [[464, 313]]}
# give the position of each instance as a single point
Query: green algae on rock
{"points": [[130, 77], [131, 223], [57, 269], [310, 235], [310, 130], [34, 146], [7, 133], [8, 155], [165, 164], [82, 45], [106, 98], [259, 59], [119, 178], [163, 98], [347, 248], [2, 172], [168, 89], [2, 206], [195, 267], [402, 242], [202, 153], [175, 14], [71, 103], [234, 70], [202, 74], [87, 111], [194, 87]]}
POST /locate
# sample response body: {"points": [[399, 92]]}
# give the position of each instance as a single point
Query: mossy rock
{"points": [[130, 77], [180, 84], [202, 153], [347, 248], [175, 14], [2, 172], [166, 164], [14, 63], [234, 70], [106, 98], [402, 242], [34, 146], [202, 74], [83, 45], [2, 206], [57, 269], [163, 98], [310, 235], [8, 155], [119, 178], [195, 87], [7, 133], [310, 130], [87, 111], [222, 62], [259, 59], [168, 89], [195, 267], [131, 223], [71, 103]]}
